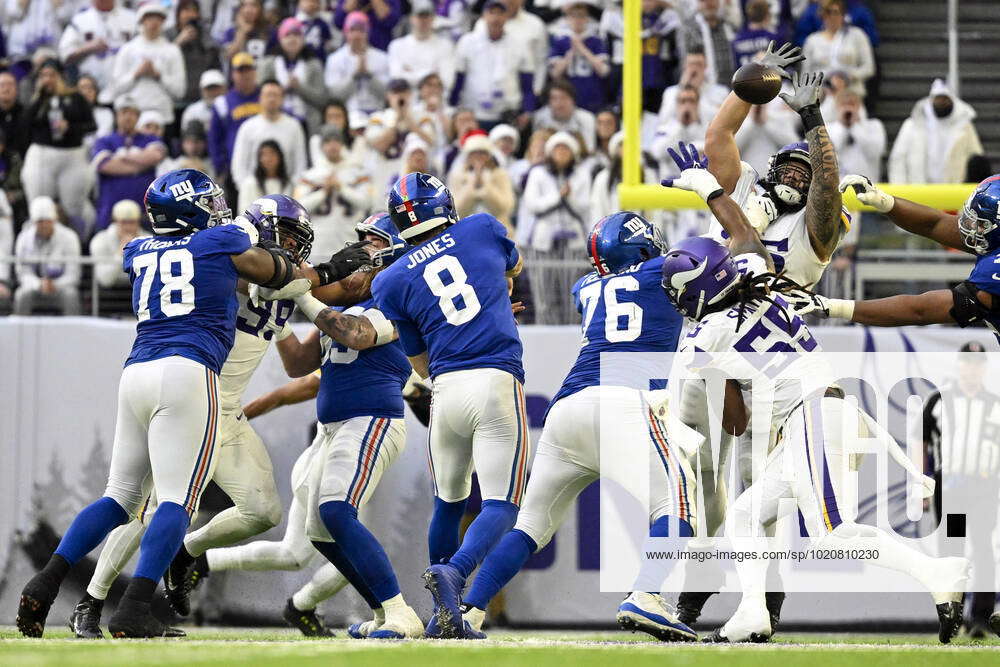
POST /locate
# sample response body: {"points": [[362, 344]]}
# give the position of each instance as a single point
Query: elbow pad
{"points": [[966, 308], [284, 270]]}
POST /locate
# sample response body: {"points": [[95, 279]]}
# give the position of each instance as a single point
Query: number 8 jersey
{"points": [[184, 294], [448, 297]]}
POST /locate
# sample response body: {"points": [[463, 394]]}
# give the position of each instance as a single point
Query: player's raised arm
{"points": [[823, 203], [270, 267], [962, 305], [720, 136], [908, 215], [696, 178], [296, 391]]}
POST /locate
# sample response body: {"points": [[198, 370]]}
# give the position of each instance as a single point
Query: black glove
{"points": [[352, 258]]}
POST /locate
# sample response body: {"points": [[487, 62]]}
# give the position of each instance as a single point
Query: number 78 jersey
{"points": [[448, 297], [184, 294]]}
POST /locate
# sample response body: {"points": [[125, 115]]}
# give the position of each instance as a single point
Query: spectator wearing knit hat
{"points": [[357, 72], [298, 71], [48, 274], [149, 67], [483, 185], [212, 84], [107, 245], [383, 15]]}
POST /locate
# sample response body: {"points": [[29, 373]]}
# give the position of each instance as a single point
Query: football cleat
{"points": [[400, 623], [953, 575], [36, 599], [363, 630], [308, 623], [177, 582], [994, 623], [445, 583], [774, 600], [689, 606], [85, 621], [470, 632], [949, 621], [198, 571], [133, 620], [750, 623], [650, 613]]}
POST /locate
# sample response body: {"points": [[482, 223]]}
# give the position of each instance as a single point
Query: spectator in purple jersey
{"points": [[452, 18], [660, 50], [577, 52], [229, 111], [316, 24], [383, 15], [250, 33], [125, 161], [200, 51], [756, 35]]}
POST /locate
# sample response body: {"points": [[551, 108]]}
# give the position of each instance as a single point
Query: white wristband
{"points": [[384, 330], [310, 306], [842, 309]]}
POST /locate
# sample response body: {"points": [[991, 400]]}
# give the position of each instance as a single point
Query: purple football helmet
{"points": [[697, 274], [282, 220]]}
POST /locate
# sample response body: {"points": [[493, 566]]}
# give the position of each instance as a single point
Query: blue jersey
{"points": [[448, 297], [626, 311], [184, 294], [591, 90], [986, 277], [361, 383]]}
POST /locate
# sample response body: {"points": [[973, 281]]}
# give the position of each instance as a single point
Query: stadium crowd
{"points": [[515, 107]]}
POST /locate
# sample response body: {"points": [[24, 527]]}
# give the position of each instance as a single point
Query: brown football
{"points": [[756, 84]]}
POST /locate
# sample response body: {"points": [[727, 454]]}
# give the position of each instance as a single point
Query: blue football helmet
{"points": [[979, 219], [184, 201], [622, 239], [381, 225], [282, 220], [789, 173], [419, 202]]}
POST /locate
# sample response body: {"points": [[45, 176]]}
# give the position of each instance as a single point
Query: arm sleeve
{"points": [[412, 341], [506, 244]]}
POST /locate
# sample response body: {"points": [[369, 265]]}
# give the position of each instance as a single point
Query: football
{"points": [[756, 84]]}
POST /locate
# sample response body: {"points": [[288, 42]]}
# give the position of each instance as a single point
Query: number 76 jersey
{"points": [[184, 294], [448, 297]]}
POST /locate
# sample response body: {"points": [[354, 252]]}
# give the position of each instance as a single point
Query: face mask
{"points": [[943, 110]]}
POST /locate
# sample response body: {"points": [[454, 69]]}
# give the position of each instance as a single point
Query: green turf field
{"points": [[210, 646]]}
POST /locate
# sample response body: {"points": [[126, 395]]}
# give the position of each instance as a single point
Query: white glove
{"points": [[697, 180], [868, 193], [757, 214], [294, 289], [806, 303]]}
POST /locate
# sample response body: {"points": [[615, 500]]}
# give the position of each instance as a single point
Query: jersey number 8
{"points": [[449, 294], [179, 284]]}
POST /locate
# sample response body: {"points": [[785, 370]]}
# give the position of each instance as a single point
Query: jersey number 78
{"points": [[180, 283]]}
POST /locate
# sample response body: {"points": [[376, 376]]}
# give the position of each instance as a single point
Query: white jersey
{"points": [[786, 238], [256, 327], [765, 349]]}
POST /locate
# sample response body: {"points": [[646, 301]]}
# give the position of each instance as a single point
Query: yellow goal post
{"points": [[633, 194]]}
